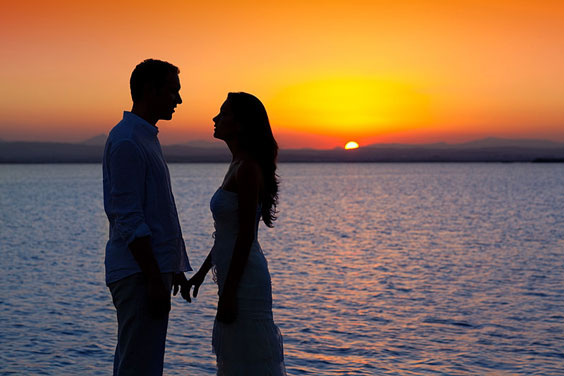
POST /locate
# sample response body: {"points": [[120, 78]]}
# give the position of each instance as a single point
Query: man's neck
{"points": [[144, 114]]}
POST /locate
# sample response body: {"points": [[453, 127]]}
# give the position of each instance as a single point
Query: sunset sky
{"points": [[328, 72]]}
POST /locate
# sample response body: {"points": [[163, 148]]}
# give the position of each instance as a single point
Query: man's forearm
{"points": [[143, 254], [158, 294]]}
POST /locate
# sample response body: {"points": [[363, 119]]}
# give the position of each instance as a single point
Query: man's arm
{"points": [[127, 197], [159, 296]]}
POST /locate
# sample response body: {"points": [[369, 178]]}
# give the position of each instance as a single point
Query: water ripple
{"points": [[377, 270]]}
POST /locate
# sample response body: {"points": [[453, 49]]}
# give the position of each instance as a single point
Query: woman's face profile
{"points": [[225, 126]]}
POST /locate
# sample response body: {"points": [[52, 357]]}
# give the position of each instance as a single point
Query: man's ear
{"points": [[149, 90]]}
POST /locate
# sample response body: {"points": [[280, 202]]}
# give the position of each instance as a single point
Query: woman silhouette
{"points": [[245, 339]]}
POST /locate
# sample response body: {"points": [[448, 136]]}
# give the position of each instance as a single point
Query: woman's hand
{"points": [[227, 308]]}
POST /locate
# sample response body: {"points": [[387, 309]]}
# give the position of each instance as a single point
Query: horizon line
{"points": [[216, 143]]}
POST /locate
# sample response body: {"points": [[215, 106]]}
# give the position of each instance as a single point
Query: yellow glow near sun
{"points": [[351, 145], [337, 106]]}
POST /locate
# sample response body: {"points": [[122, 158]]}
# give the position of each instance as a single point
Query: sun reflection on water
{"points": [[376, 269]]}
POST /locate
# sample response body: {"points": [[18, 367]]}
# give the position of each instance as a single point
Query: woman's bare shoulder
{"points": [[248, 173]]}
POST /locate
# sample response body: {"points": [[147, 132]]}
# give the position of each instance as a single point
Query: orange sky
{"points": [[327, 71]]}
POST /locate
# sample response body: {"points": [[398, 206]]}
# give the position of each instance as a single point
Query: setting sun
{"points": [[386, 72], [351, 145]]}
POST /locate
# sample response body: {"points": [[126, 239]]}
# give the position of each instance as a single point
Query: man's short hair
{"points": [[149, 72]]}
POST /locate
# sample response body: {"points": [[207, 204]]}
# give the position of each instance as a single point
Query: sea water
{"points": [[377, 269]]}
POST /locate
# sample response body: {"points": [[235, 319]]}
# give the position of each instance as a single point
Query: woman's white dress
{"points": [[252, 345]]}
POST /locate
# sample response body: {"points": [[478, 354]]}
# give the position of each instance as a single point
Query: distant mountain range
{"points": [[484, 150]]}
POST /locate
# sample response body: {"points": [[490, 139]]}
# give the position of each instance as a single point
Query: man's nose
{"points": [[179, 99]]}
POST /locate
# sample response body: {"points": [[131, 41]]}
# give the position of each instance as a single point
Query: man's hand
{"points": [[159, 297], [178, 279]]}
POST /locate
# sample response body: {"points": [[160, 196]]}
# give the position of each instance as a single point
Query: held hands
{"points": [[180, 281], [227, 305]]}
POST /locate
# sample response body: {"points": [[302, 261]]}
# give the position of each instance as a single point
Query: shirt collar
{"points": [[130, 116]]}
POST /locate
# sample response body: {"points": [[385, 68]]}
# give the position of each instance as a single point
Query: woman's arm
{"points": [[248, 179], [196, 280]]}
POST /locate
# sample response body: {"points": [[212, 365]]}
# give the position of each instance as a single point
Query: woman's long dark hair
{"points": [[256, 137]]}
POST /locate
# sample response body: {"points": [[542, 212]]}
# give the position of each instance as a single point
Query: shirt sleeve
{"points": [[127, 191]]}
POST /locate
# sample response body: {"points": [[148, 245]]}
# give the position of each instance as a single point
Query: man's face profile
{"points": [[167, 97]]}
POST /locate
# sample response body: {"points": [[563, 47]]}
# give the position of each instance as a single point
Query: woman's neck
{"points": [[237, 152]]}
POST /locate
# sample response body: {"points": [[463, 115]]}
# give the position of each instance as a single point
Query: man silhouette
{"points": [[145, 253]]}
